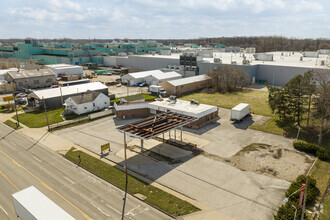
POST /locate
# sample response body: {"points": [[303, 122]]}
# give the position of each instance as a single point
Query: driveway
{"points": [[223, 188]]}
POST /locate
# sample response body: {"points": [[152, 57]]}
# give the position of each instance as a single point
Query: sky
{"points": [[163, 19]]}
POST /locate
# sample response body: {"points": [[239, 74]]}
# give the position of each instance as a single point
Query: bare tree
{"points": [[322, 101], [226, 78]]}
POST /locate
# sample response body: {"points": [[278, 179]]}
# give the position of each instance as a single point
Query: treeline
{"points": [[262, 44]]}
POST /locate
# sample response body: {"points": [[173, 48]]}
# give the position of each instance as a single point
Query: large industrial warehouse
{"points": [[187, 85], [55, 97], [152, 77]]}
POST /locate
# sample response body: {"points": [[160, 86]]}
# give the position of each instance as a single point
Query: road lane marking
{"points": [[37, 159], [131, 211], [103, 212], [71, 181], [3, 210], [8, 180], [109, 206], [44, 184]]}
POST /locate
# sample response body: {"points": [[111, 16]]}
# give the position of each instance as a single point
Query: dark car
{"points": [[20, 101]]}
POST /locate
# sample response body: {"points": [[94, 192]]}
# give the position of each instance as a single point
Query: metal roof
{"points": [[158, 74], [22, 74], [39, 205], [67, 90], [184, 81], [156, 125]]}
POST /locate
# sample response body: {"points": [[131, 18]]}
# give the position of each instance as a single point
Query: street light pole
{"points": [[295, 212], [296, 124], [43, 100], [16, 113]]}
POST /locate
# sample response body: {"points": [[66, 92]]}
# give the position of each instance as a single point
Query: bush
{"points": [[306, 147], [287, 212], [316, 150], [323, 154], [312, 190]]}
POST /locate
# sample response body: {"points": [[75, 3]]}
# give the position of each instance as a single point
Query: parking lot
{"points": [[217, 184]]}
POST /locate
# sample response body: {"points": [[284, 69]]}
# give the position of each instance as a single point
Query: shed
{"points": [[187, 85]]}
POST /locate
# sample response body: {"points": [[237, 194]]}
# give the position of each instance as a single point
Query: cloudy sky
{"points": [[162, 19]]}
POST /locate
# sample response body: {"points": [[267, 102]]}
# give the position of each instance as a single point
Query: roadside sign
{"points": [[8, 98], [105, 147]]}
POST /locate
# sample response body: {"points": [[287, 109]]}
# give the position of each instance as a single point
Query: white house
{"points": [[87, 102], [152, 77]]}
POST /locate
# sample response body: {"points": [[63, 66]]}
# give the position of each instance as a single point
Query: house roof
{"points": [[86, 97]]}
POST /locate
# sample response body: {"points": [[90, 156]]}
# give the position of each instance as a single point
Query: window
{"points": [[36, 81], [20, 84]]}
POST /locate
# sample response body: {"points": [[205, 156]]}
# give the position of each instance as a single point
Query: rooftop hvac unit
{"points": [[322, 62], [301, 58], [193, 102]]}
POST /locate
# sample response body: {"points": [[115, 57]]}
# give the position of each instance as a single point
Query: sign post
{"points": [[104, 148]]}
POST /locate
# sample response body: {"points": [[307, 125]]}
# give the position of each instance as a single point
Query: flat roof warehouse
{"points": [[67, 90]]}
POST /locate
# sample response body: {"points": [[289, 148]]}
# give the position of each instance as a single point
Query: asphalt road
{"points": [[23, 163]]}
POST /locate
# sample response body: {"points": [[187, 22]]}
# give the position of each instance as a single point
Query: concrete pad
{"points": [[164, 149], [129, 154], [187, 137]]}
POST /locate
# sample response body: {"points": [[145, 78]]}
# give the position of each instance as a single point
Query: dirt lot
{"points": [[273, 161]]}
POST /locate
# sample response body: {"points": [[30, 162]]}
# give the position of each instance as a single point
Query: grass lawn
{"points": [[37, 119], [12, 124], [258, 100], [321, 172], [154, 196], [145, 96]]}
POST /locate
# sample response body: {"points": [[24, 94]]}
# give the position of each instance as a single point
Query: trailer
{"points": [[31, 204], [240, 111]]}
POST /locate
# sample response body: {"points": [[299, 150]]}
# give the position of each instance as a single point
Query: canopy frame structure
{"points": [[156, 125]]}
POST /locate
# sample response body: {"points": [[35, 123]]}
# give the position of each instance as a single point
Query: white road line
{"points": [[37, 159], [4, 210], [109, 206], [104, 213], [130, 212], [71, 181]]}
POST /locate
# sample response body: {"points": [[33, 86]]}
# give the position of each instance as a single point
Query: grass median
{"points": [[154, 196], [12, 124]]}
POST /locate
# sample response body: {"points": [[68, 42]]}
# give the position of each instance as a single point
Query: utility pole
{"points": [[16, 113], [126, 180], [43, 100], [305, 195]]}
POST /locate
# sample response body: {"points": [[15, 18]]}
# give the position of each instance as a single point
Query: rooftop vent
{"points": [[193, 102]]}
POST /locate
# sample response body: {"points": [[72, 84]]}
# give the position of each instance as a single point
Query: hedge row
{"points": [[314, 149], [286, 211]]}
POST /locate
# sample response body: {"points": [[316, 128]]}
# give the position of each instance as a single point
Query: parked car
{"points": [[143, 84], [20, 101], [21, 95]]}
